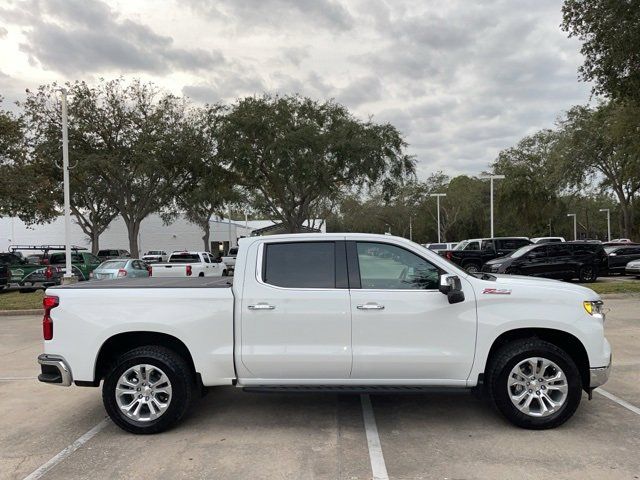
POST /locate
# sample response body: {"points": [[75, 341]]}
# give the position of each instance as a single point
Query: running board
{"points": [[383, 389]]}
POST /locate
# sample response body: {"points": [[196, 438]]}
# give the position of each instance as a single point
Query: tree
{"points": [[293, 154], [600, 146], [20, 193], [130, 145], [532, 183], [610, 32]]}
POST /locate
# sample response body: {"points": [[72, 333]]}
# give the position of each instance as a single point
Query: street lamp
{"points": [[575, 225], [608, 222], [68, 273], [491, 179], [438, 195]]}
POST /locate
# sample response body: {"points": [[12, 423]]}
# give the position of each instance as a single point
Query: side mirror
{"points": [[451, 286]]}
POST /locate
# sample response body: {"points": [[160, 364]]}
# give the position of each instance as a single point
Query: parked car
{"points": [[82, 265], [121, 268], [17, 266], [472, 254], [230, 259], [566, 261], [190, 264], [351, 318], [620, 240], [4, 276], [155, 256], [620, 256], [438, 247], [547, 239], [112, 253], [633, 268]]}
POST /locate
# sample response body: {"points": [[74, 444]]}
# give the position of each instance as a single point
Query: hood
{"points": [[497, 260], [504, 280]]}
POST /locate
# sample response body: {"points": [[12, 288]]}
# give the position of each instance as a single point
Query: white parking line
{"points": [[6, 379], [378, 467], [618, 400], [67, 451]]}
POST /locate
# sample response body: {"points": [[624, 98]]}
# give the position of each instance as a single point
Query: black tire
{"points": [[182, 384], [201, 274], [472, 268], [507, 358], [587, 274]]}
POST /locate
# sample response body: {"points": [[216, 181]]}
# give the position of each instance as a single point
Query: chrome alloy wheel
{"points": [[537, 387], [143, 393]]}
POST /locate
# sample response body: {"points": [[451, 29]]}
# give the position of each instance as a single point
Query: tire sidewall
{"points": [[507, 408], [180, 395]]}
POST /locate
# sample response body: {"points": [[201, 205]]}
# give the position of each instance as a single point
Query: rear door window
{"points": [[300, 264]]}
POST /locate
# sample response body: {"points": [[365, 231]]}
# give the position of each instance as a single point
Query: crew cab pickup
{"points": [[190, 264], [330, 312], [472, 254]]}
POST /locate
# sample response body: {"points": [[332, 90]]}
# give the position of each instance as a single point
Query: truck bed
{"points": [[152, 282]]}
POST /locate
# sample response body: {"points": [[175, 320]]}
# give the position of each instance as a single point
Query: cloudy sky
{"points": [[461, 79]]}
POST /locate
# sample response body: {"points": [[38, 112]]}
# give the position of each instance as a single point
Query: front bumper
{"points": [[599, 376], [55, 370]]}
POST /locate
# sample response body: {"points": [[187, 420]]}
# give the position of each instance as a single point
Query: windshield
{"points": [[461, 245], [184, 258], [155, 252], [522, 251], [610, 249], [112, 265]]}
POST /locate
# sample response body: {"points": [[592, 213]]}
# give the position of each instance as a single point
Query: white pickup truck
{"points": [[230, 259], [190, 264], [330, 312]]}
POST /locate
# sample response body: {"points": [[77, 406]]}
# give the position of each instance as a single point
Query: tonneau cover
{"points": [[151, 282]]}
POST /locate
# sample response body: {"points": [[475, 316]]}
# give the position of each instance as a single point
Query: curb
{"points": [[16, 313]]}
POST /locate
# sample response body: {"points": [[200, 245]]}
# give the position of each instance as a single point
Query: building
{"points": [[154, 234]]}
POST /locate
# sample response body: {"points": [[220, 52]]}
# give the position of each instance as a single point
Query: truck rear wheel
{"points": [[148, 390], [534, 384]]}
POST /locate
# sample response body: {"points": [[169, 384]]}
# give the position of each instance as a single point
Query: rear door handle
{"points": [[262, 306], [370, 306]]}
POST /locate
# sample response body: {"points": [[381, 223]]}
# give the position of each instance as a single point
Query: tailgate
{"points": [[168, 270]]}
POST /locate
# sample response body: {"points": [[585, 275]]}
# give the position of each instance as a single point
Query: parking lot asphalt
{"points": [[231, 434]]}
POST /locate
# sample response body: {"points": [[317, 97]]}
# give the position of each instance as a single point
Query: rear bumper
{"points": [[55, 370]]}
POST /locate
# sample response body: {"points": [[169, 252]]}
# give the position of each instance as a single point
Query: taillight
{"points": [[189, 271], [449, 255], [49, 302], [48, 273], [150, 270], [122, 273]]}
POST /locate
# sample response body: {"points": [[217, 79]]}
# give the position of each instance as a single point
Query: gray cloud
{"points": [[88, 36], [325, 14]]}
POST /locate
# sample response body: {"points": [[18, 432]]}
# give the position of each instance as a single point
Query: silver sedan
{"points": [[121, 268], [633, 268]]}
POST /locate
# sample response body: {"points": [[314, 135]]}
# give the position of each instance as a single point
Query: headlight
{"points": [[593, 307], [495, 265]]}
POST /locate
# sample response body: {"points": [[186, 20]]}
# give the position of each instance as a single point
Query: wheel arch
{"points": [[123, 342], [561, 339]]}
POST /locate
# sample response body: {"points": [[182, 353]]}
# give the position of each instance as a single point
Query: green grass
{"points": [[614, 287], [21, 301]]}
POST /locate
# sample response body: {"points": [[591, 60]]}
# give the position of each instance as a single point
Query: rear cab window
{"points": [[184, 258], [302, 264]]}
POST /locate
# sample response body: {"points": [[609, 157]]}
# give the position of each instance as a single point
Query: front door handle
{"points": [[262, 306], [370, 306]]}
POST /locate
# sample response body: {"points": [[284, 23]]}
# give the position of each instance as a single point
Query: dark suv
{"points": [[619, 256], [472, 254], [581, 260]]}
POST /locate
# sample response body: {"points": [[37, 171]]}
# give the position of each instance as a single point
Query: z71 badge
{"points": [[496, 291]]}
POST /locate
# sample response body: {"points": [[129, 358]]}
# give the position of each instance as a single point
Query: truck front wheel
{"points": [[148, 389], [535, 384]]}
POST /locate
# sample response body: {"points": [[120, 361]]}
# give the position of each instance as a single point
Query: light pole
{"points": [[438, 195], [608, 222], [575, 225], [491, 179], [68, 273]]}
